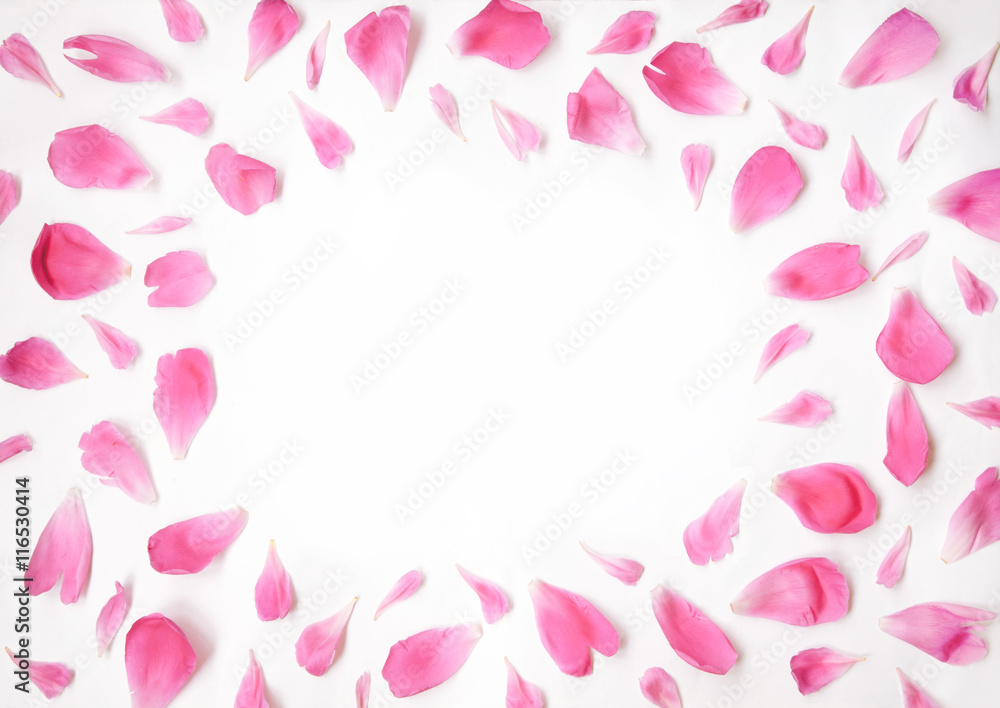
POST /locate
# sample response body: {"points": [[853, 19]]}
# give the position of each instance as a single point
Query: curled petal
{"points": [[183, 21], [907, 443], [569, 627], [120, 349], [985, 410], [64, 548], [184, 395], [110, 618], [38, 364], [598, 115], [802, 592], [273, 23], [818, 272], [50, 678], [979, 297], [317, 57], [970, 85], [491, 598], [976, 522], [521, 693], [162, 225], [805, 134], [181, 279], [317, 646], [446, 109], [828, 498], [251, 691], [362, 689], [913, 695], [623, 569], [428, 658], [902, 44], [520, 136], [695, 638], [159, 660], [404, 587], [813, 669], [108, 455], [377, 45], [244, 183], [890, 570], [786, 54], [696, 161], [973, 202], [943, 630], [764, 188], [903, 251], [14, 445], [273, 592], [708, 538], [93, 156], [912, 132], [188, 114], [912, 345], [329, 140], [189, 546], [859, 182], [115, 59], [659, 688], [505, 32], [20, 59], [70, 263], [805, 410], [628, 34], [743, 11], [779, 346], [9, 196], [683, 76]]}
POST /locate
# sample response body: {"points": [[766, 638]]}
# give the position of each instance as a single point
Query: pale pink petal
{"points": [[521, 693], [813, 669], [659, 688], [569, 627], [973, 202], [184, 395], [317, 57], [14, 445], [818, 272], [695, 638], [9, 196], [912, 345], [683, 76], [779, 346], [159, 660], [273, 591], [121, 350], [50, 678], [329, 140], [902, 44], [445, 108], [162, 225], [786, 54], [110, 618], [22, 61], [404, 587], [520, 136], [890, 570], [913, 695], [978, 296], [765, 187], [708, 538], [108, 455], [743, 11], [244, 183], [828, 498], [377, 45], [623, 569], [491, 598], [859, 182], [273, 23], [362, 689], [504, 32], [317, 646], [183, 21], [970, 85], [801, 592], [189, 114], [805, 134], [628, 34], [38, 364], [804, 410], [115, 59], [907, 443], [428, 658], [251, 691], [64, 548], [985, 410], [976, 522], [189, 546], [696, 161], [598, 115], [912, 132], [181, 279], [903, 251], [70, 263], [945, 631], [93, 156]]}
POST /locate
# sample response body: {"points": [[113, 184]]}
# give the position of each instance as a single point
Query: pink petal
{"points": [[251, 690], [903, 251], [184, 395], [912, 132], [907, 444], [183, 21], [428, 658], [108, 455], [708, 538], [93, 156], [859, 182], [521, 693], [273, 23], [329, 140], [970, 85], [445, 108], [491, 598], [69, 263], [189, 546], [14, 445], [377, 45], [891, 569], [813, 669], [115, 59], [38, 364], [110, 618], [683, 76], [9, 196], [623, 569], [50, 678], [801, 592], [273, 591], [317, 646], [64, 548], [21, 61], [805, 410], [598, 115], [569, 627], [504, 32], [695, 638], [362, 689], [520, 136], [805, 134], [120, 349], [973, 201], [162, 225], [943, 630], [985, 410], [828, 498], [696, 161], [913, 695], [628, 34], [978, 296], [188, 114], [779, 346], [317, 57], [404, 587], [181, 279], [976, 522], [902, 44], [244, 183], [765, 187], [743, 11], [818, 272], [159, 660], [912, 345], [786, 54], [658, 687]]}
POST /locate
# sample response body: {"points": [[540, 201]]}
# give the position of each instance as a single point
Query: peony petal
{"points": [[317, 57], [743, 11], [903, 251], [14, 445], [273, 23], [120, 349], [64, 548], [181, 279], [683, 76], [520, 136], [859, 182], [273, 592], [802, 592], [623, 569], [902, 44], [20, 59], [188, 114], [9, 196], [628, 34], [251, 691], [985, 410], [521, 693], [912, 132], [38, 364], [813, 669], [93, 156], [110, 618], [970, 85], [377, 45], [827, 498], [765, 187], [943, 630], [244, 183], [976, 522], [445, 108], [50, 678], [912, 345], [329, 140], [913, 695], [818, 273], [189, 546], [696, 161], [779, 346], [978, 296], [786, 54], [708, 538], [69, 263], [973, 202], [162, 225], [184, 395], [362, 689], [183, 21], [695, 638], [108, 455], [598, 115], [805, 134], [404, 587], [659, 688], [805, 410], [907, 444], [891, 569], [115, 59], [569, 627], [491, 598], [317, 646], [428, 658], [505, 32], [159, 660]]}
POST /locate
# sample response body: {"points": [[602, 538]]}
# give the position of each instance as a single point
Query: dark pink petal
{"points": [[181, 279], [14, 445], [38, 364], [69, 263], [978, 296], [902, 44], [521, 693], [779, 346], [912, 132], [623, 569], [890, 570], [317, 646], [317, 57], [805, 410], [120, 349], [362, 689], [428, 658], [189, 546], [683, 76], [903, 251], [329, 140], [818, 272], [251, 691], [273, 592], [805, 134], [813, 669], [64, 548], [93, 156], [765, 187], [912, 345], [188, 114], [913, 695], [696, 161], [801, 592], [973, 202], [491, 598], [985, 410], [943, 630], [445, 108], [404, 587], [859, 182], [162, 225], [695, 638], [244, 183], [786, 54], [504, 32], [273, 23], [50, 678], [520, 136], [970, 85], [907, 443], [110, 618], [159, 660], [19, 59], [659, 688], [976, 522], [184, 395], [628, 34], [115, 59], [708, 538], [828, 498], [183, 21], [598, 115], [569, 627], [743, 11], [108, 455], [9, 196], [377, 45]]}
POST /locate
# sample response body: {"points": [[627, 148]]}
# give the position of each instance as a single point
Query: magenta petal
{"points": [[985, 410], [70, 263], [183, 21], [623, 569], [162, 225], [696, 161], [743, 11], [428, 658], [890, 570], [317, 646], [818, 272], [329, 140], [978, 296], [708, 538], [491, 598], [802, 592], [804, 410], [188, 114], [445, 108], [108, 455], [828, 498], [813, 669], [115, 59], [64, 548], [377, 45], [14, 445], [598, 115], [805, 134], [273, 23], [93, 156], [251, 691], [765, 187], [520, 136], [362, 689], [973, 202], [683, 76], [120, 349], [779, 346], [50, 678], [912, 345], [943, 630], [695, 638], [184, 395], [404, 587], [628, 34], [505, 32], [912, 132], [521, 693], [569, 627], [902, 44], [189, 546], [159, 660], [913, 695], [244, 183], [970, 85], [273, 592], [20, 60], [786, 54], [9, 196], [903, 251], [317, 57], [110, 618], [907, 443], [659, 688], [38, 364], [976, 522], [181, 279], [859, 182]]}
